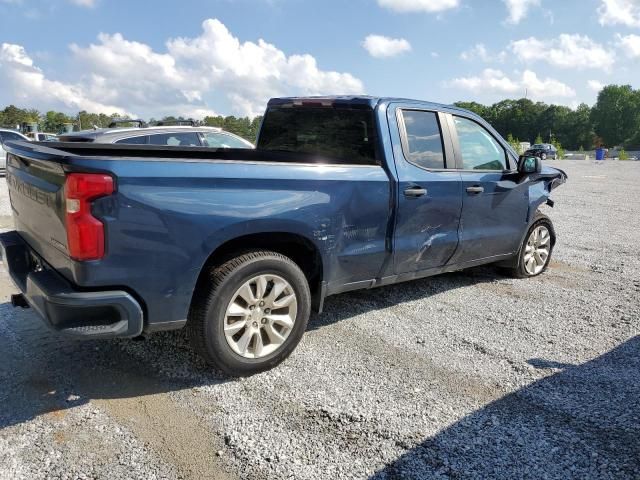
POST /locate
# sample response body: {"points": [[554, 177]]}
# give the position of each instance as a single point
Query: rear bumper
{"points": [[103, 314]]}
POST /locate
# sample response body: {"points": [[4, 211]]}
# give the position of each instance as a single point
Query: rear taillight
{"points": [[85, 233]]}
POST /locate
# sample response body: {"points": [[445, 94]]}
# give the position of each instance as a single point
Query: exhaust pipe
{"points": [[18, 300]]}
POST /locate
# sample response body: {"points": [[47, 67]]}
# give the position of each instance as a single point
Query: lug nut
{"points": [[264, 320], [255, 324], [267, 311], [251, 307], [262, 304]]}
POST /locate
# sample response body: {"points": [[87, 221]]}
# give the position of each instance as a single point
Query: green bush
{"points": [[622, 155], [515, 143], [559, 148]]}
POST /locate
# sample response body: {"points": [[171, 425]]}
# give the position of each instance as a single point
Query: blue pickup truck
{"points": [[239, 246]]}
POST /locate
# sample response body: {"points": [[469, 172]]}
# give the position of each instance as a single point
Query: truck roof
{"points": [[361, 101]]}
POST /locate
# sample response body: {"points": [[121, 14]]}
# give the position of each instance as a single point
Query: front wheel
{"points": [[535, 253], [250, 313]]}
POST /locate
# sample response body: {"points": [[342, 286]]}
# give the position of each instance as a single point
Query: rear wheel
{"points": [[535, 253], [250, 313]]}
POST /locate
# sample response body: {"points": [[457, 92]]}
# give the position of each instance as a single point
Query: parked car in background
{"points": [[173, 136], [42, 137], [543, 150], [7, 135], [239, 245]]}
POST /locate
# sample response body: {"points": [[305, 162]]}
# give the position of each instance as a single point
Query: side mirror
{"points": [[529, 164]]}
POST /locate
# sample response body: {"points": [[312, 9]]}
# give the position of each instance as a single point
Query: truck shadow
{"points": [[347, 305], [42, 372], [582, 422]]}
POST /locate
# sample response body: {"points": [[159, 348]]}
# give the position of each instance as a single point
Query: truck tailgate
{"points": [[36, 192]]}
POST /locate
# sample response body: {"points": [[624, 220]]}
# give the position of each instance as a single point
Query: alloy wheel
{"points": [[260, 316], [537, 250]]}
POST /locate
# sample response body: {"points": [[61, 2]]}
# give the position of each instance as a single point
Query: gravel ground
{"points": [[466, 375]]}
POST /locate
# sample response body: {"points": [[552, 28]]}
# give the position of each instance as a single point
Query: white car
{"points": [[7, 135]]}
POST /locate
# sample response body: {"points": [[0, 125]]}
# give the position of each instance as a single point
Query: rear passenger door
{"points": [[429, 197], [494, 202]]}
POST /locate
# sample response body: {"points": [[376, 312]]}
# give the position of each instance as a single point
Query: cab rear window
{"points": [[341, 135]]}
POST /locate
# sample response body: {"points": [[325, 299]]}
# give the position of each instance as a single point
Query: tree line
{"points": [[613, 121], [56, 122]]}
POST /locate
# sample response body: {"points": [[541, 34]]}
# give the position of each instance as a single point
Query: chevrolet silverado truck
{"points": [[239, 246]]}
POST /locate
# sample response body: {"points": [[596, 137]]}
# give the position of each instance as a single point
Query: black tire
{"points": [[205, 326], [519, 270]]}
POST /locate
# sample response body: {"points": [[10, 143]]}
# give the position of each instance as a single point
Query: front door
{"points": [[429, 193], [494, 203]]}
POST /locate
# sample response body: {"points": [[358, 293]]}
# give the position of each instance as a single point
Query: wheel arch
{"points": [[297, 247]]}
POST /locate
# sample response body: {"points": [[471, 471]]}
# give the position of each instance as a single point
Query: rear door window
{"points": [[139, 140], [180, 139], [422, 144]]}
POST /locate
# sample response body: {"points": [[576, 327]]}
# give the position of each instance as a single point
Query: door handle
{"points": [[475, 189], [415, 192]]}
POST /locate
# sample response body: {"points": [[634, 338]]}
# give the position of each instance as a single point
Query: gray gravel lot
{"points": [[466, 375]]}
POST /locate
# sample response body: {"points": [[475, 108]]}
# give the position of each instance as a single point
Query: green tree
{"points": [[475, 107], [53, 121], [616, 114], [13, 116], [580, 129]]}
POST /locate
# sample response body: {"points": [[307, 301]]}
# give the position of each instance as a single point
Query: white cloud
{"points": [[566, 51], [518, 9], [185, 79], [496, 81], [29, 85], [84, 3], [480, 52], [623, 12], [630, 45], [380, 46], [429, 6], [595, 85], [79, 3]]}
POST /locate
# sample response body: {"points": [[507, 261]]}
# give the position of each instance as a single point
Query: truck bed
{"points": [[173, 206]]}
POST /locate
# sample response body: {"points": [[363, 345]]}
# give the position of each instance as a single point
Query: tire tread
{"points": [[206, 293]]}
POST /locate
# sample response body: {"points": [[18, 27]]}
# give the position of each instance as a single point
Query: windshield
{"points": [[345, 134]]}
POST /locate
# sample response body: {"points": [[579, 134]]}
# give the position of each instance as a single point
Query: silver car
{"points": [[8, 135], [176, 136]]}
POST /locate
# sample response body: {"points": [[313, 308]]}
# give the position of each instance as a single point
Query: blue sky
{"points": [[202, 57]]}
